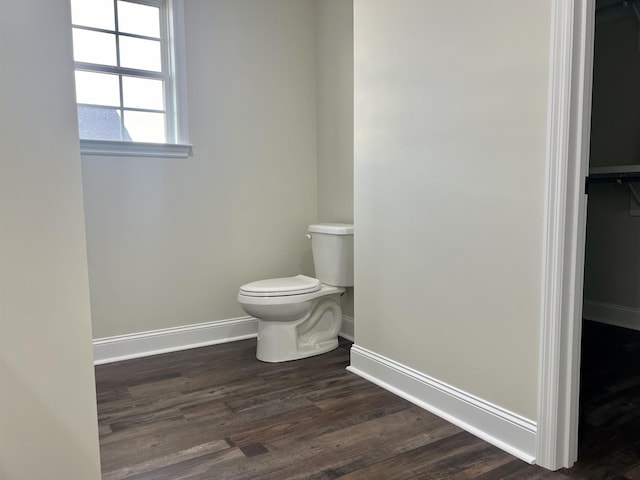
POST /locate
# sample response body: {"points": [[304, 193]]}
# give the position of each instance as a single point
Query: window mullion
{"points": [[95, 67], [124, 34]]}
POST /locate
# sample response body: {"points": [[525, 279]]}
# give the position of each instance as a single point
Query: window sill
{"points": [[134, 149]]}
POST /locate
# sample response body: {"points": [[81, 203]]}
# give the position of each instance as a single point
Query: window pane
{"points": [[143, 93], [93, 13], [94, 47], [141, 54], [139, 19], [97, 88], [145, 127], [97, 123]]}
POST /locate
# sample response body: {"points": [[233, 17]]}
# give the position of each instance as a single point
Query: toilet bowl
{"points": [[300, 316]]}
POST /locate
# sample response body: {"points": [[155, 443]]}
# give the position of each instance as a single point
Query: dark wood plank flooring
{"points": [[218, 413], [609, 429]]}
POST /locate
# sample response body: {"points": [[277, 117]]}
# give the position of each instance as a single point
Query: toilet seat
{"points": [[280, 287]]}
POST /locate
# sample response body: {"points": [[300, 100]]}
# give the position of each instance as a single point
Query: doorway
{"points": [[610, 366]]}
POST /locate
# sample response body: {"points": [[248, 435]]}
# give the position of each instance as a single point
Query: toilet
{"points": [[300, 316]]}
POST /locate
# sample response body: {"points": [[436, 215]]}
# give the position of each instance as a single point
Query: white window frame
{"points": [[174, 69]]}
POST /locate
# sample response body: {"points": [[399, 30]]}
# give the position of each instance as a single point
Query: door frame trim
{"points": [[568, 134]]}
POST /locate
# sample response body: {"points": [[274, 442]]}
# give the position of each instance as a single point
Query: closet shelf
{"points": [[615, 174], [621, 174]]}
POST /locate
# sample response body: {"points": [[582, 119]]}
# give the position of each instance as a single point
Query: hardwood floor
{"points": [[218, 413], [609, 404]]}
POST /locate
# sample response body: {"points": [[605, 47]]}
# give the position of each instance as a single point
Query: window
{"points": [[128, 77]]}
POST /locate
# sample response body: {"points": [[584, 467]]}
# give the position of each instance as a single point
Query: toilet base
{"points": [[269, 355], [314, 334]]}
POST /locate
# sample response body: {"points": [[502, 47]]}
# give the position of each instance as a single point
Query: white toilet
{"points": [[301, 316]]}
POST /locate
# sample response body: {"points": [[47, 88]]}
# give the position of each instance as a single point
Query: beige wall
{"points": [[334, 20], [335, 110], [170, 241], [612, 266], [48, 423], [450, 134]]}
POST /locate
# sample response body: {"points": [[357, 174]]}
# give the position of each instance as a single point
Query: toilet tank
{"points": [[332, 246]]}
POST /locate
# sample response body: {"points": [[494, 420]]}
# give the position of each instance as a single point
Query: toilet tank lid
{"points": [[332, 228]]}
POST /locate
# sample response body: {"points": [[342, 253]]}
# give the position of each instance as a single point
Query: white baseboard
{"points": [[618, 315], [124, 347], [498, 426], [143, 344], [346, 331]]}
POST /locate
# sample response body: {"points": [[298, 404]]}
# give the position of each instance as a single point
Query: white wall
{"points": [[616, 101], [170, 241], [450, 135], [48, 422]]}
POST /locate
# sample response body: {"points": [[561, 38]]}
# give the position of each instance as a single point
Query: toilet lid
{"points": [[277, 287]]}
